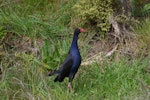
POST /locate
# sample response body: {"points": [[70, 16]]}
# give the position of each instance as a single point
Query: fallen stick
{"points": [[98, 57]]}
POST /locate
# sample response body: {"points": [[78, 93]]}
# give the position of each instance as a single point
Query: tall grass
{"points": [[36, 18], [143, 30], [120, 81]]}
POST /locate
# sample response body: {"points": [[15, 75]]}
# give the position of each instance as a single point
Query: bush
{"points": [[96, 12]]}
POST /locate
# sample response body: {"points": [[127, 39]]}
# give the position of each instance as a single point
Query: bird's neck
{"points": [[75, 40]]}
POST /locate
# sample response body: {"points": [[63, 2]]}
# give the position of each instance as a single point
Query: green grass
{"points": [[144, 31], [144, 27], [24, 75], [121, 80]]}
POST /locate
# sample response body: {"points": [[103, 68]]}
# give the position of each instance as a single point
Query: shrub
{"points": [[97, 12]]}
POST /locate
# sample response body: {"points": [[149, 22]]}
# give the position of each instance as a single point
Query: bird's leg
{"points": [[70, 87]]}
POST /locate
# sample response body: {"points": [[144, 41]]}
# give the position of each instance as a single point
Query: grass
{"points": [[143, 30], [24, 75], [121, 80]]}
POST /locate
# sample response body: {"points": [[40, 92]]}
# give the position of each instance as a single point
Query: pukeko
{"points": [[72, 62]]}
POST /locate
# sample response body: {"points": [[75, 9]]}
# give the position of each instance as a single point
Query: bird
{"points": [[71, 63]]}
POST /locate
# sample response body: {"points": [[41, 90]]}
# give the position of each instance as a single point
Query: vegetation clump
{"points": [[97, 12]]}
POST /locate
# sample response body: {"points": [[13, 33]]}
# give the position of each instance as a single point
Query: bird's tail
{"points": [[58, 78], [53, 72]]}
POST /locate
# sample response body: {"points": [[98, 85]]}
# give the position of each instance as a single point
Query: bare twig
{"points": [[124, 52], [112, 51], [92, 59], [98, 57]]}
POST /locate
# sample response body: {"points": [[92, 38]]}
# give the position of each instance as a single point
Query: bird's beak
{"points": [[82, 30]]}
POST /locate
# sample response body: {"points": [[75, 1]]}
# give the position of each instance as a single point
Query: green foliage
{"points": [[54, 54], [95, 11], [144, 27], [146, 9], [2, 33], [140, 7]]}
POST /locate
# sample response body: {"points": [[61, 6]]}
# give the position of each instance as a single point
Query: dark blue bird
{"points": [[72, 62]]}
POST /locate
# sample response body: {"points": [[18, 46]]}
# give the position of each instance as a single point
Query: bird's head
{"points": [[79, 30]]}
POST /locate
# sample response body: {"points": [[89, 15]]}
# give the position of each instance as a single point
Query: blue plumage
{"points": [[72, 62]]}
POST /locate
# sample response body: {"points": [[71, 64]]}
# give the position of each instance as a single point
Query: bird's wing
{"points": [[67, 64], [64, 70], [74, 68]]}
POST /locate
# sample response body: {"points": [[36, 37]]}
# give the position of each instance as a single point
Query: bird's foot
{"points": [[70, 87]]}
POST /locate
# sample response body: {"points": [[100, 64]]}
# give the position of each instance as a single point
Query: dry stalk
{"points": [[98, 57], [117, 31]]}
